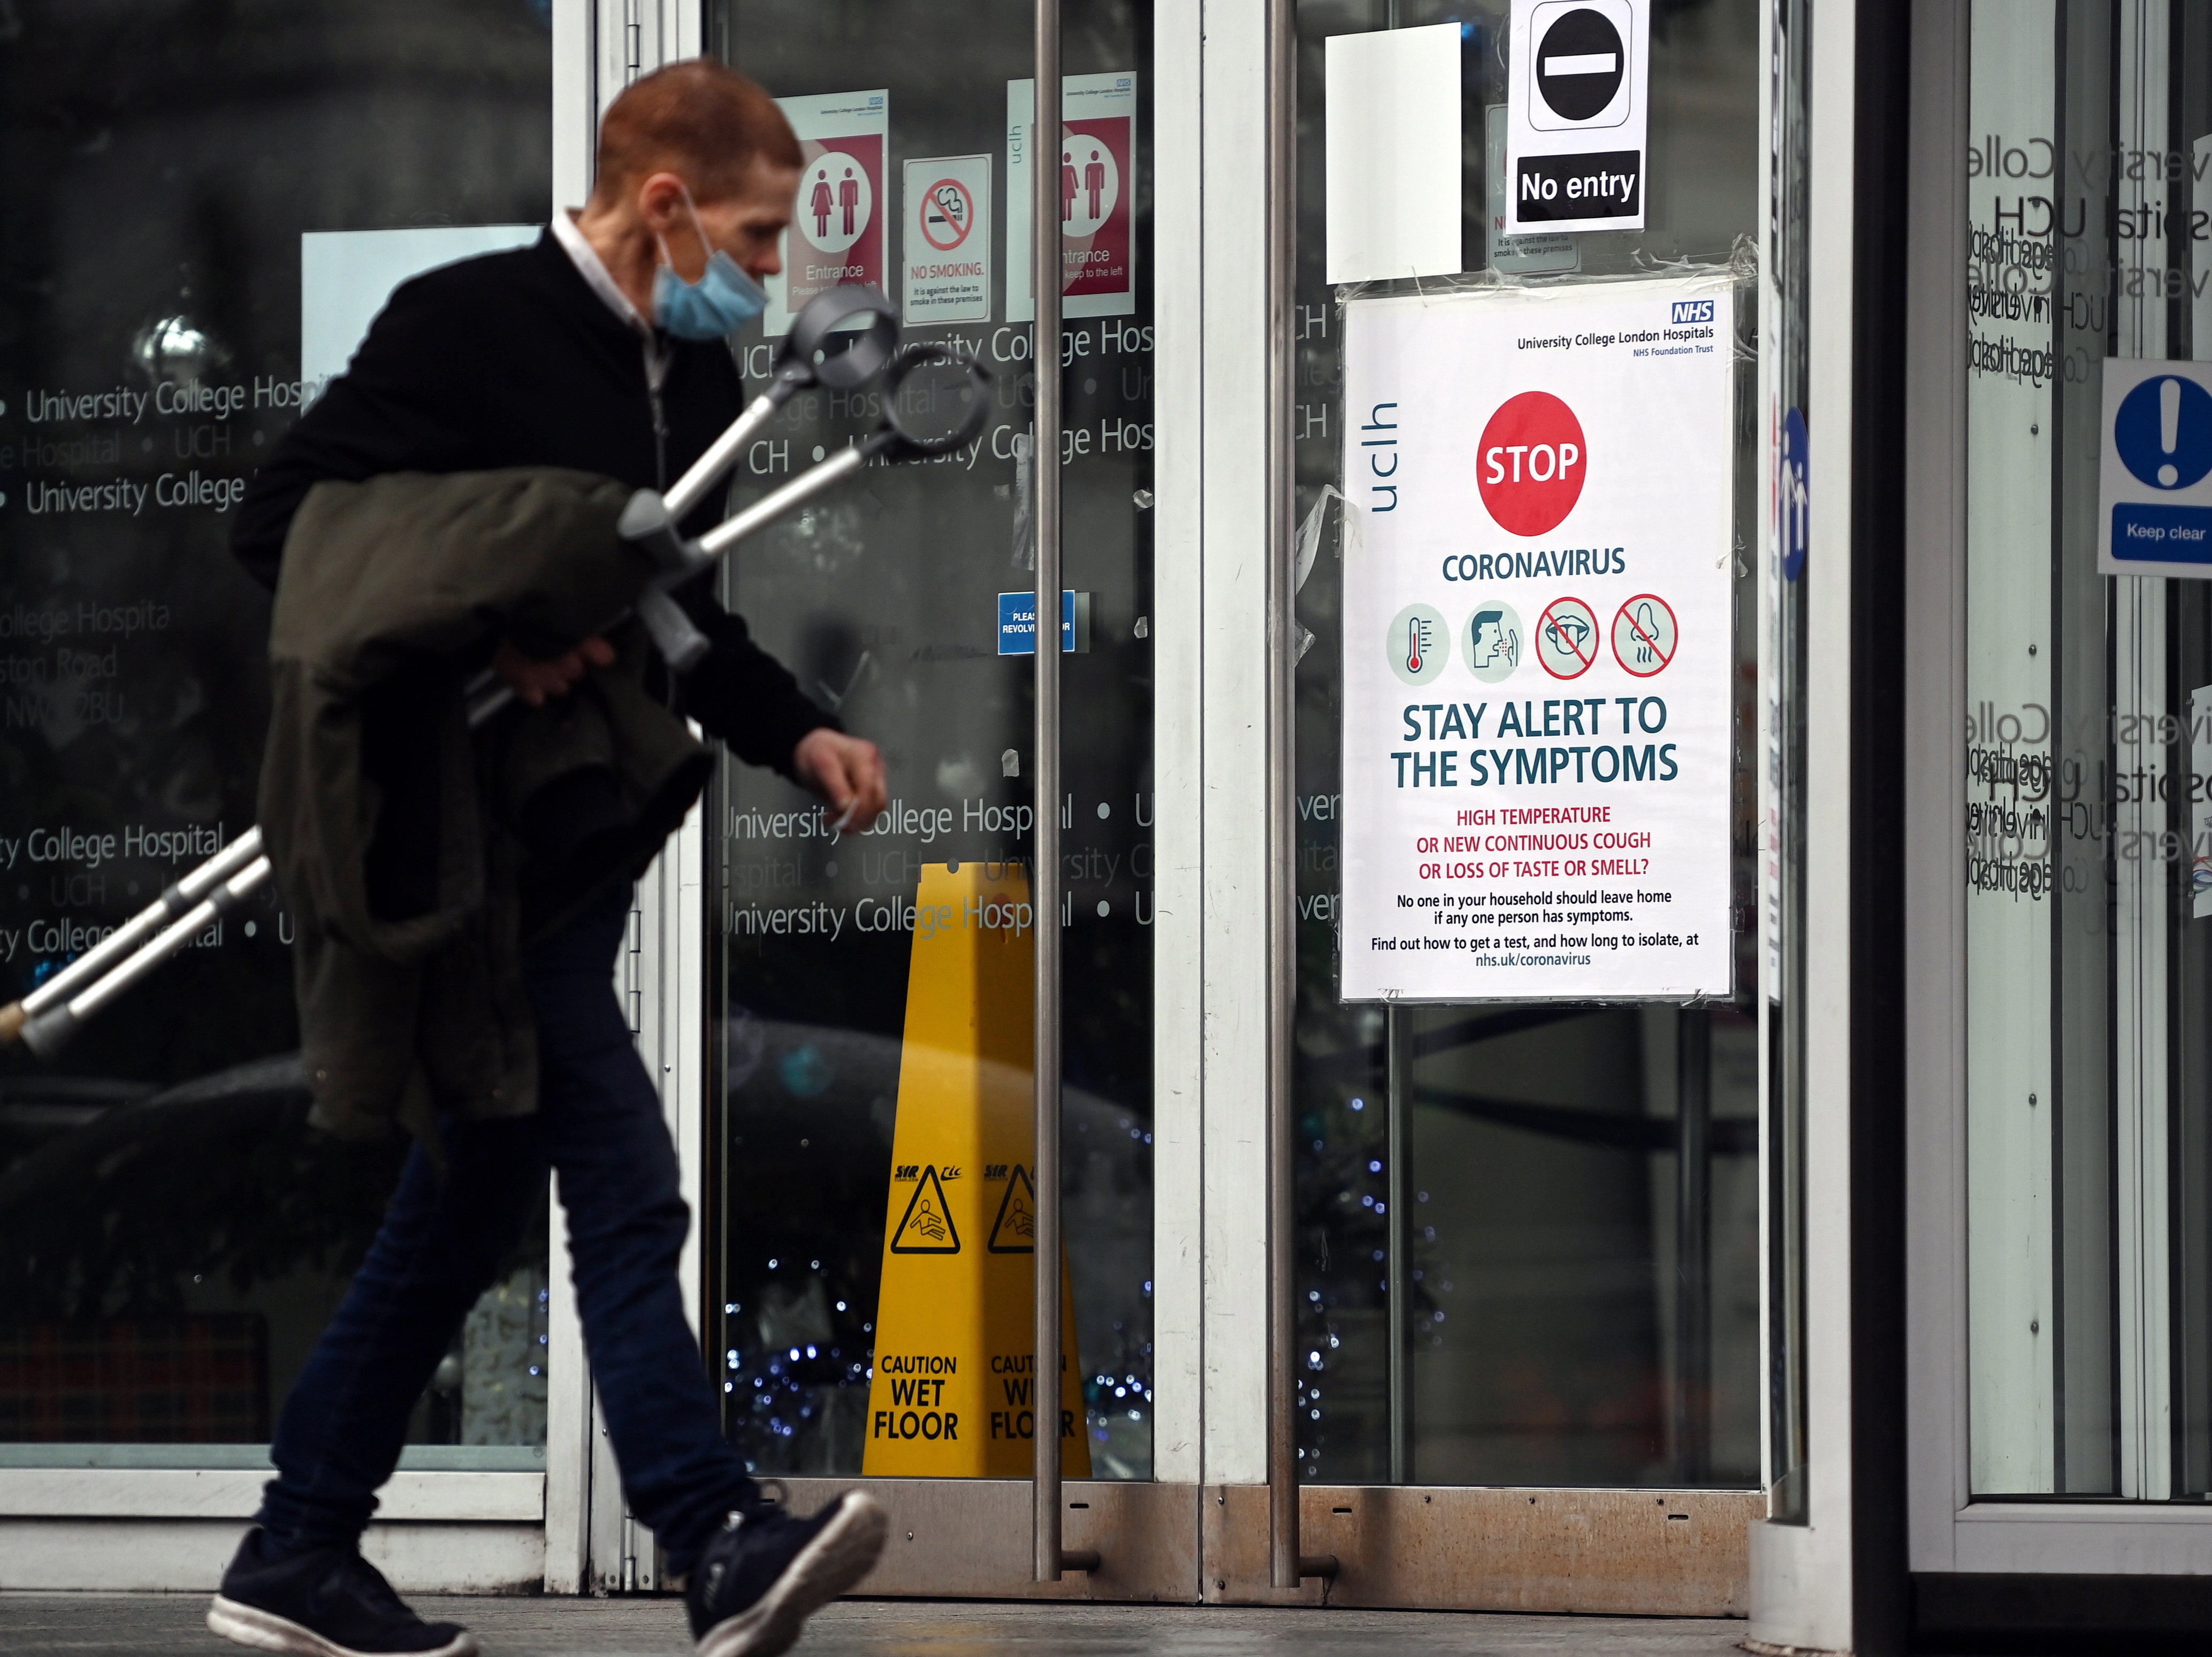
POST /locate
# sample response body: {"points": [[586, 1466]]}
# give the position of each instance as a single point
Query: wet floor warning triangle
{"points": [[927, 1227], [953, 1393], [1014, 1231]]}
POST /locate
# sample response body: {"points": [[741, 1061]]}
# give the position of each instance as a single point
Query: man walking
{"points": [[600, 349]]}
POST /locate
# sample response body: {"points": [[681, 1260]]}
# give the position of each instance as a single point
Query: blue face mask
{"points": [[713, 307]]}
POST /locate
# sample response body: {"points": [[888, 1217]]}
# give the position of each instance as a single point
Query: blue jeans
{"points": [[598, 1127]]}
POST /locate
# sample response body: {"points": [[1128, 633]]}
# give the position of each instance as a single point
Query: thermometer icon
{"points": [[1413, 645]]}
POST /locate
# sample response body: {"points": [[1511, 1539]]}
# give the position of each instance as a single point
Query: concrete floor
{"points": [[140, 1625]]}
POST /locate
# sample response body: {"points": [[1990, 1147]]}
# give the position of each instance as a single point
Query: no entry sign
{"points": [[1576, 115], [1542, 812]]}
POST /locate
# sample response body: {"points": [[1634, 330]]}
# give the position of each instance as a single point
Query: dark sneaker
{"points": [[328, 1603], [765, 1572]]}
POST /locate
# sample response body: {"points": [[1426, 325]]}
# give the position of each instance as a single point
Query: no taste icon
{"points": [[1532, 462]]}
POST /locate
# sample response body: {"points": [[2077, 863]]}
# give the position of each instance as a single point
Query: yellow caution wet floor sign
{"points": [[953, 1393]]}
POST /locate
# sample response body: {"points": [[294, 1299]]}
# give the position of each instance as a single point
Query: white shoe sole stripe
{"points": [[832, 1563], [264, 1630]]}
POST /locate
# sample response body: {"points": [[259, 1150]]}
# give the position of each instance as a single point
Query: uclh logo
{"points": [[1691, 310]]}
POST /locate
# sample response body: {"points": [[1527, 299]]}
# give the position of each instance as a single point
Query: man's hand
{"points": [[534, 680], [846, 773]]}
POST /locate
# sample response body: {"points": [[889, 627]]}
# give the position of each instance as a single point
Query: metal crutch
{"points": [[50, 1016]]}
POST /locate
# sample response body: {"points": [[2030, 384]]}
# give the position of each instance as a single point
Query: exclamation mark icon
{"points": [[2169, 427]]}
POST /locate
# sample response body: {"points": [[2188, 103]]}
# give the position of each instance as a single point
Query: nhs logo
{"points": [[1691, 310]]}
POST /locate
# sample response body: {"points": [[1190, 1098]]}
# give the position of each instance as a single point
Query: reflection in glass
{"points": [[171, 1237]]}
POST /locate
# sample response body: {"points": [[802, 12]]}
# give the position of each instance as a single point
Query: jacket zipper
{"points": [[660, 421], [660, 464]]}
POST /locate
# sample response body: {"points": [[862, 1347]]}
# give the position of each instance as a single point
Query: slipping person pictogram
{"points": [[1014, 1231], [600, 349], [926, 1226]]}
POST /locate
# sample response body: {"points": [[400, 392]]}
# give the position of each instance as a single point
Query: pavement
{"points": [[141, 1625]]}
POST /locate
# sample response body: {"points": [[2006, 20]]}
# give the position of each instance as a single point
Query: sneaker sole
{"points": [[248, 1625], [844, 1552]]}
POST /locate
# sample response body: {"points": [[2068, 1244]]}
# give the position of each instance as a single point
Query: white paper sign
{"points": [[2155, 476], [947, 275], [1538, 644], [1391, 153], [1578, 84], [1097, 200], [346, 277]]}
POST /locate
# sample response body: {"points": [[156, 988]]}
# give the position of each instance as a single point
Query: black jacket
{"points": [[511, 360]]}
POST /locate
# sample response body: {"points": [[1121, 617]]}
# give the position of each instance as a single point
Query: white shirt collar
{"points": [[586, 257]]}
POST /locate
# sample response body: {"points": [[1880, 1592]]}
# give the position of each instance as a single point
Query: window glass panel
{"points": [[172, 1237], [2088, 723]]}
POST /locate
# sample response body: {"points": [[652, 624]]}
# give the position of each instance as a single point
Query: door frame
{"points": [[1954, 1536], [1199, 1530]]}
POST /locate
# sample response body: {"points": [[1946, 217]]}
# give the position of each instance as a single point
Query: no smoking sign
{"points": [[948, 214]]}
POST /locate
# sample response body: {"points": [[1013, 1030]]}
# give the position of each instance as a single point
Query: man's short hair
{"points": [[699, 119]]}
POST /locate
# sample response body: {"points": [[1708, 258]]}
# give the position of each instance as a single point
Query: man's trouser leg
{"points": [[599, 1123], [616, 1166], [442, 1239]]}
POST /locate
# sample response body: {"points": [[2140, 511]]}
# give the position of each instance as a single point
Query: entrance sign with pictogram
{"points": [[945, 259], [1577, 77], [1539, 643], [1097, 246], [2155, 505], [837, 235], [953, 1390]]}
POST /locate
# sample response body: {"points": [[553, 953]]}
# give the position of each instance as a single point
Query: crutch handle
{"points": [[683, 646]]}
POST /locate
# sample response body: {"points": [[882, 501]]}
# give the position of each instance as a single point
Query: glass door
{"points": [[1528, 1235], [2087, 1117], [871, 1217]]}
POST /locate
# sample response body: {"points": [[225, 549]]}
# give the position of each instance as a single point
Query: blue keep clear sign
{"points": [[2154, 515], [1017, 623]]}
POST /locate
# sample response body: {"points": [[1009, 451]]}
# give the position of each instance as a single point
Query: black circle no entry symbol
{"points": [[1579, 64]]}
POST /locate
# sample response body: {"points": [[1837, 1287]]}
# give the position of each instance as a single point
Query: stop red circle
{"points": [[1532, 463]]}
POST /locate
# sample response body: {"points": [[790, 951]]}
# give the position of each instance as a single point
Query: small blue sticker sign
{"points": [[1017, 624], [2155, 472]]}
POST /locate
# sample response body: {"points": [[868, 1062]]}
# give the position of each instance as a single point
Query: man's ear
{"points": [[660, 201]]}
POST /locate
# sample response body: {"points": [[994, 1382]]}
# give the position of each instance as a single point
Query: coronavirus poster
{"points": [[836, 235], [1538, 640]]}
